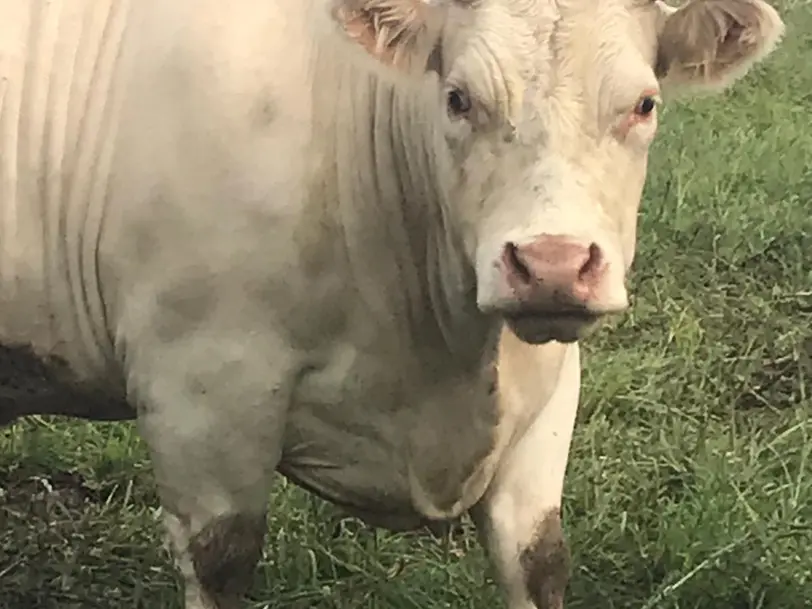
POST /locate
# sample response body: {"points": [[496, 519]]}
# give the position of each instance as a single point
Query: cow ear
{"points": [[401, 33], [708, 44]]}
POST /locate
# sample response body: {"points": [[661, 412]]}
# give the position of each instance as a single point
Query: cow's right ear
{"points": [[400, 33]]}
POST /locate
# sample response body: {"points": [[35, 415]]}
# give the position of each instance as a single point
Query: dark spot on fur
{"points": [[33, 383], [264, 112], [225, 554], [22, 371], [546, 564], [144, 245], [183, 306], [491, 375]]}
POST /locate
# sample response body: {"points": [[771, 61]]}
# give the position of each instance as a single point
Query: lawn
{"points": [[690, 480]]}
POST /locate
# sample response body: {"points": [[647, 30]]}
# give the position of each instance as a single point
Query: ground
{"points": [[690, 484]]}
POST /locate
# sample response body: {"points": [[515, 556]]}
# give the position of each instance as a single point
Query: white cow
{"points": [[229, 221]]}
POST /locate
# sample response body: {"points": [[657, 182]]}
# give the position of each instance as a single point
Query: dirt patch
{"points": [[65, 544], [44, 495]]}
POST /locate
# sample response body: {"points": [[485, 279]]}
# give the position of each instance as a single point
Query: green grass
{"points": [[690, 481]]}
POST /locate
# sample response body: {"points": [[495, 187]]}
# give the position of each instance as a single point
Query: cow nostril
{"points": [[593, 263], [516, 265]]}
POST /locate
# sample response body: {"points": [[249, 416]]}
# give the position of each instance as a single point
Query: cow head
{"points": [[549, 108]]}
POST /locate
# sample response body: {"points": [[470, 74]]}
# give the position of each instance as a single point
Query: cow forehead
{"points": [[604, 55], [564, 26], [597, 53]]}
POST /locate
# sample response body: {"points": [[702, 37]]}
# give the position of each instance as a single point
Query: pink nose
{"points": [[554, 272]]}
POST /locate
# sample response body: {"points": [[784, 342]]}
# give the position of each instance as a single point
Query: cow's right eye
{"points": [[459, 102], [645, 106]]}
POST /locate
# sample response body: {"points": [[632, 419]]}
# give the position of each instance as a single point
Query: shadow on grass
{"points": [[732, 581]]}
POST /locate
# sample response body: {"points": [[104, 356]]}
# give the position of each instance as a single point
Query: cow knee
{"points": [[546, 564], [225, 553]]}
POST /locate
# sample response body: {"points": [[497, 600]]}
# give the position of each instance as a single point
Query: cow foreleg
{"points": [[519, 518], [215, 440], [213, 495]]}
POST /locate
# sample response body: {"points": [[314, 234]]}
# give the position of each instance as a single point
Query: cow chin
{"points": [[539, 328]]}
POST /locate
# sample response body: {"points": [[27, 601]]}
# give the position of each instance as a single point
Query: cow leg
{"points": [[519, 518], [214, 495], [214, 430]]}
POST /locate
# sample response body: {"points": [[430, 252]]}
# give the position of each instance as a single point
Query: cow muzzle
{"points": [[559, 287]]}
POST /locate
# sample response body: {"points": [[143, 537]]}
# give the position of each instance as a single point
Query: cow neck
{"points": [[393, 176]]}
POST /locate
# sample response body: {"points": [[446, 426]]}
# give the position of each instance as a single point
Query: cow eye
{"points": [[459, 102], [645, 106]]}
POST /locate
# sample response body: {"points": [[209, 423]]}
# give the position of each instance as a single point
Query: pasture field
{"points": [[690, 480]]}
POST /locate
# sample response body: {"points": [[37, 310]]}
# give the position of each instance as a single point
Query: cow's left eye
{"points": [[645, 106]]}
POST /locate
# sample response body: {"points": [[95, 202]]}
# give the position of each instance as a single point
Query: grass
{"points": [[690, 481]]}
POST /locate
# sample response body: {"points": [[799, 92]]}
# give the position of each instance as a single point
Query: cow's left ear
{"points": [[708, 44], [401, 33]]}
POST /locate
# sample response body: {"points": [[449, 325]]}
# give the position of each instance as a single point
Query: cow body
{"points": [[121, 263], [234, 225]]}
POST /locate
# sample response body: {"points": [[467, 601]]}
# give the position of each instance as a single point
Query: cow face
{"points": [[549, 108]]}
